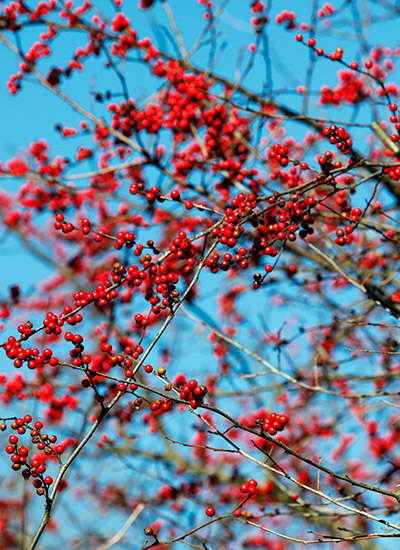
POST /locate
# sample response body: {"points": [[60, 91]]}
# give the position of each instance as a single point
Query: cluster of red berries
{"points": [[53, 78], [340, 137], [223, 140], [394, 172], [227, 261], [343, 236], [281, 222], [230, 229], [52, 324], [25, 330], [101, 296], [31, 356], [129, 351], [184, 99], [351, 89], [275, 423], [279, 158], [134, 276], [153, 194], [311, 43], [249, 488], [85, 226], [243, 202], [161, 405], [280, 154], [182, 246], [394, 119], [193, 393], [141, 321], [124, 238], [127, 360], [184, 163], [117, 273], [286, 17], [137, 188], [19, 453], [127, 118], [76, 353], [60, 225], [70, 317], [83, 153], [260, 21], [165, 280]]}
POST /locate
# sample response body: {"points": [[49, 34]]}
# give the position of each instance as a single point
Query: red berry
{"points": [[284, 419], [23, 451]]}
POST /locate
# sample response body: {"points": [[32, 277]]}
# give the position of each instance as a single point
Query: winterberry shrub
{"points": [[199, 289]]}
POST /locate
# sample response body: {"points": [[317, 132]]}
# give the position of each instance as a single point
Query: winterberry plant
{"points": [[199, 293]]}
